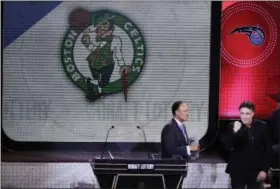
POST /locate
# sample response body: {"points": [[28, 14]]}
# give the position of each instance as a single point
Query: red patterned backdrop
{"points": [[250, 57]]}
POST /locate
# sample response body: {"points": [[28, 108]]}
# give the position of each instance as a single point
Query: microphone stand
{"points": [[144, 134], [105, 143]]}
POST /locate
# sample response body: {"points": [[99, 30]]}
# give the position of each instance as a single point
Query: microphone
{"points": [[138, 127], [144, 134], [105, 143]]}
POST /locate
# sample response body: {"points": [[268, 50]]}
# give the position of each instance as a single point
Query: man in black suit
{"points": [[174, 138], [274, 125], [250, 149]]}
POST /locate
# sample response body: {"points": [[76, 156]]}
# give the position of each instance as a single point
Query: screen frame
{"points": [[206, 141]]}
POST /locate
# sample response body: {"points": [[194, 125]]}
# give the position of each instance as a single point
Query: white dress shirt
{"points": [[180, 124]]}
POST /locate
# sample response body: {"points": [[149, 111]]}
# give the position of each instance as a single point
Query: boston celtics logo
{"points": [[103, 52]]}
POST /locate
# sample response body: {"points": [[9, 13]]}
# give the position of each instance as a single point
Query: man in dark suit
{"points": [[274, 125], [174, 138], [250, 149]]}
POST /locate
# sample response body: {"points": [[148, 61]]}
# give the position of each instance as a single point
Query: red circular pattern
{"points": [[275, 4], [234, 11]]}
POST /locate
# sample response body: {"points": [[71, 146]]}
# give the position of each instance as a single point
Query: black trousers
{"points": [[103, 75], [239, 181]]}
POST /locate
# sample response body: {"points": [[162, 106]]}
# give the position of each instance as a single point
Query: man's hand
{"points": [[236, 126], [195, 148], [86, 40], [261, 176], [125, 68]]}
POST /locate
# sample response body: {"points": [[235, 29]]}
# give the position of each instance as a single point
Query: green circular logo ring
{"points": [[104, 46]]}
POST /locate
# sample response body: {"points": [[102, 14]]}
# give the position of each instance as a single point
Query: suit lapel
{"points": [[253, 129], [179, 130]]}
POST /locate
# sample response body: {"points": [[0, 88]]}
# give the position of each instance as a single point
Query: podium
{"points": [[139, 173]]}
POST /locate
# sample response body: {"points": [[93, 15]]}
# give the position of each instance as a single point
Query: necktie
{"points": [[183, 128]]}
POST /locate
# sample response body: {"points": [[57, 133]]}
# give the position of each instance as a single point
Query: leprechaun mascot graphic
{"points": [[92, 52], [105, 52]]}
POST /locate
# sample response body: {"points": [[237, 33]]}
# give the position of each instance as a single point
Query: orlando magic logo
{"points": [[255, 33]]}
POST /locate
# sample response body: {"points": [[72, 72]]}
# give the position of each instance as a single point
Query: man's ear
{"points": [[253, 113]]}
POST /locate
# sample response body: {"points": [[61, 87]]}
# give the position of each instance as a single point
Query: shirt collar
{"points": [[178, 122]]}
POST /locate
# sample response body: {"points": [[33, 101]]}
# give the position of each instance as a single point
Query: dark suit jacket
{"points": [[173, 141], [274, 126], [250, 148]]}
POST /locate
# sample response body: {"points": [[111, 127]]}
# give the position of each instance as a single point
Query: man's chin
{"points": [[246, 122]]}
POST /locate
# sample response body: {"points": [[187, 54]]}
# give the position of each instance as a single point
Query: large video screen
{"points": [[71, 70]]}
